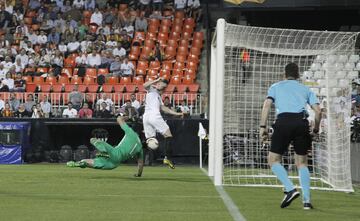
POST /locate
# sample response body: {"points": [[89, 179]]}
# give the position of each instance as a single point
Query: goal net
{"points": [[245, 62]]}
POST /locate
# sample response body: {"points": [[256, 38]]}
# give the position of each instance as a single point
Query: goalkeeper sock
{"points": [[282, 175], [167, 147], [304, 177]]}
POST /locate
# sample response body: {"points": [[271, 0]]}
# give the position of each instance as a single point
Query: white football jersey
{"points": [[153, 101]]}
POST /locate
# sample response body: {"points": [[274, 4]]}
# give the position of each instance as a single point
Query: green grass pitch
{"points": [[53, 192]]}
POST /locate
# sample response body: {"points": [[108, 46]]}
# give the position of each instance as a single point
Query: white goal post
{"points": [[245, 61]]}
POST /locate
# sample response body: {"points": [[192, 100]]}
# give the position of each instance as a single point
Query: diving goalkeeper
{"points": [[110, 157]]}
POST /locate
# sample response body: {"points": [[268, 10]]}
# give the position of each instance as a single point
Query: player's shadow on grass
{"points": [[145, 179]]}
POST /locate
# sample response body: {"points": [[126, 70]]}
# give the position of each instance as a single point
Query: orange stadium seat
{"points": [[30, 87], [167, 65], [67, 71], [57, 88], [199, 35], [45, 87], [189, 21], [153, 72], [179, 14], [178, 73], [170, 88], [118, 88], [92, 88], [150, 43], [130, 88], [154, 65], [76, 79], [38, 80], [166, 22], [176, 28], [191, 65], [186, 35], [91, 72], [69, 87], [178, 21], [82, 88], [42, 70], [154, 22], [138, 80], [164, 29], [103, 71], [89, 80], [163, 36], [188, 79], [181, 88], [170, 52], [175, 35], [28, 79], [112, 80], [125, 80], [181, 58], [191, 72], [51, 80], [179, 65], [150, 35], [172, 43], [184, 43], [153, 28], [182, 51], [175, 80], [63, 80], [107, 88]]}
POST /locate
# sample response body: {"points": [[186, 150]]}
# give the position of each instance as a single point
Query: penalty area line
{"points": [[229, 203]]}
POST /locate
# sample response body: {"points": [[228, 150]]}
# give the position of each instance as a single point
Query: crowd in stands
{"points": [[81, 46]]}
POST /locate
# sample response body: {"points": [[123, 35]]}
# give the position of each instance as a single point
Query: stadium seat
{"points": [[69, 62], [168, 13], [145, 53], [103, 71], [195, 51], [45, 87], [198, 43], [191, 65], [125, 80], [189, 29], [175, 80], [139, 36], [170, 88], [179, 14], [168, 65], [89, 80], [138, 80], [182, 51], [176, 28], [193, 58], [142, 65], [28, 79], [184, 43], [150, 43], [198, 36], [162, 36], [166, 22], [130, 88], [181, 58], [76, 80], [154, 22], [107, 88], [55, 98], [82, 88], [42, 70], [172, 43], [175, 35], [69, 88], [153, 29], [181, 88], [188, 79], [75, 71], [29, 70], [92, 88], [91, 72], [165, 73], [193, 88], [141, 88], [57, 88], [151, 35], [164, 29], [178, 73], [189, 21], [112, 80], [67, 71], [179, 65], [63, 80], [118, 88], [31, 87], [154, 65], [191, 72], [38, 80], [135, 50], [170, 53], [178, 21], [162, 43], [149, 78]]}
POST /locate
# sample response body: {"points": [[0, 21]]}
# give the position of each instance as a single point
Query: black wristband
{"points": [[262, 126]]}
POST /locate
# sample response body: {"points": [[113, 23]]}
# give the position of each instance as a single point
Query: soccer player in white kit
{"points": [[152, 119]]}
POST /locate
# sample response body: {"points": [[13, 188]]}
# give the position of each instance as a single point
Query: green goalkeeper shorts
{"points": [[104, 163]]}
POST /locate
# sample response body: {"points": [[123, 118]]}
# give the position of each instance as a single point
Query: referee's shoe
{"points": [[289, 197]]}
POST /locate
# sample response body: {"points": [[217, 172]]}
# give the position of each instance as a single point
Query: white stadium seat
{"points": [[339, 66], [342, 58], [315, 67], [354, 58], [341, 74], [349, 66], [323, 92], [331, 58], [321, 83], [319, 74], [328, 66], [357, 66], [344, 83], [353, 74]]}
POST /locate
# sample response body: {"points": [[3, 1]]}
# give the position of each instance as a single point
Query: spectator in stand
{"points": [[22, 112], [108, 17], [89, 101], [34, 4], [81, 60], [108, 101], [167, 104], [2, 72], [135, 103], [53, 37], [67, 7], [96, 17], [89, 5], [194, 9], [144, 5], [3, 87], [76, 97], [106, 59], [19, 15], [59, 21], [13, 102], [70, 112], [73, 46], [103, 112], [29, 103], [157, 56], [7, 112], [115, 67], [19, 83], [63, 48], [2, 104], [85, 111], [127, 68], [129, 28], [57, 62], [157, 5], [4, 42], [19, 67], [33, 38], [183, 107], [119, 51], [49, 23], [78, 4], [45, 106], [93, 60], [42, 38], [36, 111], [45, 59], [9, 81], [7, 63], [130, 112], [180, 4], [141, 23], [156, 15]]}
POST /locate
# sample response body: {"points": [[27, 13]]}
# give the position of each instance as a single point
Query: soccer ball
{"points": [[152, 143]]}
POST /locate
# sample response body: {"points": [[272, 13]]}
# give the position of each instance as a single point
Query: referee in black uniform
{"points": [[290, 98]]}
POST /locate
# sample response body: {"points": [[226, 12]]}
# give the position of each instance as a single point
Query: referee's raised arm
{"points": [[290, 98]]}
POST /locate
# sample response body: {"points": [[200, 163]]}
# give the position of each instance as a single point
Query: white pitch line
{"points": [[229, 203]]}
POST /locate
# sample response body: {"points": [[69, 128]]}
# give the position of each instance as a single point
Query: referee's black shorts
{"points": [[291, 127]]}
